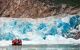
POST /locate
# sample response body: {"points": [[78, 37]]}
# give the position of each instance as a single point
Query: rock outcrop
{"points": [[38, 8]]}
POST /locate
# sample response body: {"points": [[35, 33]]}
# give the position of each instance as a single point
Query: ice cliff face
{"points": [[30, 29]]}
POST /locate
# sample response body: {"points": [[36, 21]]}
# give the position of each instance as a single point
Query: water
{"points": [[43, 47]]}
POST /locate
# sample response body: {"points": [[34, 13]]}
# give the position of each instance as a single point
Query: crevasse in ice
{"points": [[23, 29]]}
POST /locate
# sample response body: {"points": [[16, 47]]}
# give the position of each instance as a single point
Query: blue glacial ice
{"points": [[52, 31], [42, 26], [20, 29], [75, 20], [25, 27]]}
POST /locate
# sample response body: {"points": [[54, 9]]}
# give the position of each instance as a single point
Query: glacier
{"points": [[39, 29]]}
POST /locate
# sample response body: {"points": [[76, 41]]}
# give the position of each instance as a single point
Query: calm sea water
{"points": [[43, 47]]}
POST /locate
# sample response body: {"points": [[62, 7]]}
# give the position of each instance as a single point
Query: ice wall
{"points": [[39, 29]]}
